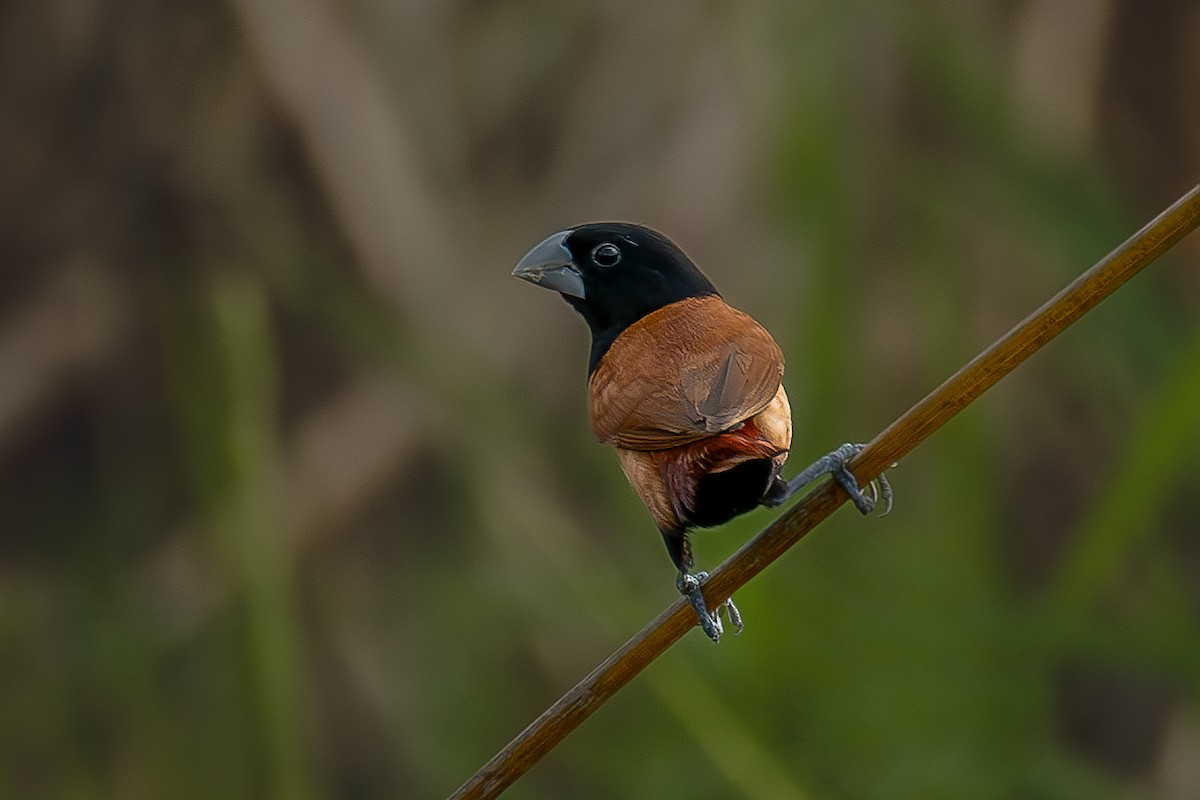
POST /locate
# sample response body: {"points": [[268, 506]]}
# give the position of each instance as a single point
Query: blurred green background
{"points": [[298, 497]]}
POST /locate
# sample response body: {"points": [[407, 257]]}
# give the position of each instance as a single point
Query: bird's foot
{"points": [[880, 490], [689, 586]]}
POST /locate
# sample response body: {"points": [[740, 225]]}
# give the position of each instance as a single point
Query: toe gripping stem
{"points": [[879, 490], [690, 587]]}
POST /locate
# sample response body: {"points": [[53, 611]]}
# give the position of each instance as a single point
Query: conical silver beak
{"points": [[550, 265]]}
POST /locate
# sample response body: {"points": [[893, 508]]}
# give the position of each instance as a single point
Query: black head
{"points": [[613, 274]]}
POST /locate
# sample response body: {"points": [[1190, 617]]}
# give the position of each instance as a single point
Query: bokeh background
{"points": [[298, 497]]}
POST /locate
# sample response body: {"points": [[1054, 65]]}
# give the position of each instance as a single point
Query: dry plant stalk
{"points": [[912, 428]]}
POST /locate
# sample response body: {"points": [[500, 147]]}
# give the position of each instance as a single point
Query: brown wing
{"points": [[687, 371]]}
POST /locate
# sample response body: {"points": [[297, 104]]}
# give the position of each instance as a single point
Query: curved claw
{"points": [[710, 622], [885, 492], [881, 491], [735, 616], [834, 463]]}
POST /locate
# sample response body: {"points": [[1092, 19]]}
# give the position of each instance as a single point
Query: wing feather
{"points": [[690, 370]]}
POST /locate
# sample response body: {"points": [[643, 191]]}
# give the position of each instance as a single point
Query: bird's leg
{"points": [[689, 586], [834, 464]]}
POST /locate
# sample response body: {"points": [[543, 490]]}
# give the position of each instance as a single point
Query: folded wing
{"points": [[688, 371]]}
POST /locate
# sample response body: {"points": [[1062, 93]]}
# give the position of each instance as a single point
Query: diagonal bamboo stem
{"points": [[912, 428]]}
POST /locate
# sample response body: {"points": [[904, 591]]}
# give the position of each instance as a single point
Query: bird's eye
{"points": [[606, 255]]}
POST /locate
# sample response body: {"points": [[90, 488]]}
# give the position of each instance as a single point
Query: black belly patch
{"points": [[721, 496]]}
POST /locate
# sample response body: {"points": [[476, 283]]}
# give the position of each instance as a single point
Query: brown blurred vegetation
{"points": [[297, 494]]}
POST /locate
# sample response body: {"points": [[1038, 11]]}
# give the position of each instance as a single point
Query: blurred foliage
{"points": [[299, 494]]}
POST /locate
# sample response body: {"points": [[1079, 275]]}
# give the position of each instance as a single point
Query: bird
{"points": [[686, 388]]}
